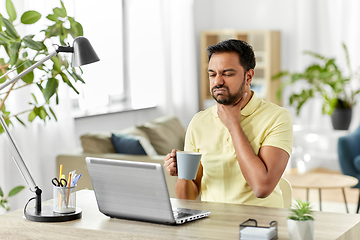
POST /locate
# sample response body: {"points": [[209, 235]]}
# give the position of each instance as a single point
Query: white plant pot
{"points": [[300, 230]]}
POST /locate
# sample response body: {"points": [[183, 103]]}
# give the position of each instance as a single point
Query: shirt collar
{"points": [[249, 109]]}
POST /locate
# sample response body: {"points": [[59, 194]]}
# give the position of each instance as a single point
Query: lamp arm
{"points": [[28, 70]]}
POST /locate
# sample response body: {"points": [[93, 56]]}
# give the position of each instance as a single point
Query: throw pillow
{"points": [[127, 145], [130, 144], [97, 142], [357, 162], [165, 133]]}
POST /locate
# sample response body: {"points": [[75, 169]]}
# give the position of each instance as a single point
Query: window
{"points": [[145, 51], [128, 38], [103, 26]]}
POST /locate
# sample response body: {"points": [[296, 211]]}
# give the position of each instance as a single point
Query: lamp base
{"points": [[48, 215]]}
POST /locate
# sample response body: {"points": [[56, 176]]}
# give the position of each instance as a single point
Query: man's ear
{"points": [[249, 75]]}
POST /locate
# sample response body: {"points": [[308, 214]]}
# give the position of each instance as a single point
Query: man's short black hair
{"points": [[242, 48]]}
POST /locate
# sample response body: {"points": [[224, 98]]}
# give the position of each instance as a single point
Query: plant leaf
{"points": [[60, 12], [28, 78], [32, 116], [52, 17], [30, 17], [15, 190], [279, 75], [1, 193], [20, 121], [14, 52], [76, 28], [4, 37], [29, 42], [34, 97], [57, 63], [314, 55], [42, 113], [53, 30], [10, 29], [67, 81], [51, 88], [53, 113], [10, 9]]}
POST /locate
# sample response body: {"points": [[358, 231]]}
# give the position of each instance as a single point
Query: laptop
{"points": [[135, 191]]}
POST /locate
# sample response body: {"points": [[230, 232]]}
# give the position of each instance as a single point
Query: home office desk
{"points": [[223, 223]]}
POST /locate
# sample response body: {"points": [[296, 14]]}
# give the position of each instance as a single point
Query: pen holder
{"points": [[64, 199]]}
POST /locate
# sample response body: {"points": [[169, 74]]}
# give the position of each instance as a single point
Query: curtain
{"points": [[161, 56], [181, 76]]}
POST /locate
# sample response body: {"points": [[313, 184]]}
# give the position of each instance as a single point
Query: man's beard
{"points": [[232, 98]]}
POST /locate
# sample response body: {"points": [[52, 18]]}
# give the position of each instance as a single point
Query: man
{"points": [[245, 141]]}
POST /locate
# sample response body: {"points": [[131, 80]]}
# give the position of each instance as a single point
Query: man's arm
{"points": [[263, 171], [189, 189], [185, 189]]}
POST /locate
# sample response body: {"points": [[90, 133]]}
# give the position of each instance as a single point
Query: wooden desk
{"points": [[321, 181], [223, 223]]}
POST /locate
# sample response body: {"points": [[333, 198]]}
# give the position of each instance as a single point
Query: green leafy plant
{"points": [[325, 79], [24, 51], [3, 199], [301, 211]]}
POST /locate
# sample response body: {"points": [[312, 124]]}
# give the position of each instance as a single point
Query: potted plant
{"points": [[301, 222], [326, 80], [20, 52], [3, 199]]}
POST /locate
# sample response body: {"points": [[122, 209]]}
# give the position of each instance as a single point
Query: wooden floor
{"points": [[331, 195]]}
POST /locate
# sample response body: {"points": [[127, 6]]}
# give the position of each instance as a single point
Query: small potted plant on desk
{"points": [[301, 222]]}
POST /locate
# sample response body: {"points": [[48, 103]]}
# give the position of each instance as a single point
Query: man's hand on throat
{"points": [[230, 115]]}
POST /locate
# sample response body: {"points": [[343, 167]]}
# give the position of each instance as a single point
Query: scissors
{"points": [[57, 183]]}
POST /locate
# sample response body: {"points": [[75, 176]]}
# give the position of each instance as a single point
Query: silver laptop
{"points": [[136, 191]]}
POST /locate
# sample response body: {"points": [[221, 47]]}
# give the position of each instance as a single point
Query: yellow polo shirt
{"points": [[263, 123]]}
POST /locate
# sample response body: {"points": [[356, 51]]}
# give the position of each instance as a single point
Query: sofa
{"points": [[148, 142]]}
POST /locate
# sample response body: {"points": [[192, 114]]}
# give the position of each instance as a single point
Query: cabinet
{"points": [[267, 50]]}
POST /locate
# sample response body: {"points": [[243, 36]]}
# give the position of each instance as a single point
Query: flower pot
{"points": [[341, 118], [300, 230]]}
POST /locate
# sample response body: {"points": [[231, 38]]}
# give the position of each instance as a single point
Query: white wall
{"points": [[212, 14], [319, 26]]}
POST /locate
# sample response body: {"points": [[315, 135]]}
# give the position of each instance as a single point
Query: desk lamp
{"points": [[82, 53]]}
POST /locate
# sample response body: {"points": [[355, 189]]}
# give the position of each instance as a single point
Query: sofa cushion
{"points": [[134, 131], [100, 142], [131, 144], [127, 144], [165, 133], [97, 142]]}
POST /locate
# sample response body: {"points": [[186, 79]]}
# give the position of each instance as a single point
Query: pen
{"points": [[76, 178]]}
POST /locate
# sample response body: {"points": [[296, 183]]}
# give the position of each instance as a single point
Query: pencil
{"points": [[59, 195], [61, 170], [69, 183]]}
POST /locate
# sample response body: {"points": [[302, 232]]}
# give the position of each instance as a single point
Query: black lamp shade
{"points": [[83, 52]]}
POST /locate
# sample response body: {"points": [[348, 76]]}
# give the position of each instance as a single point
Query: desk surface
{"points": [[223, 223], [320, 180]]}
